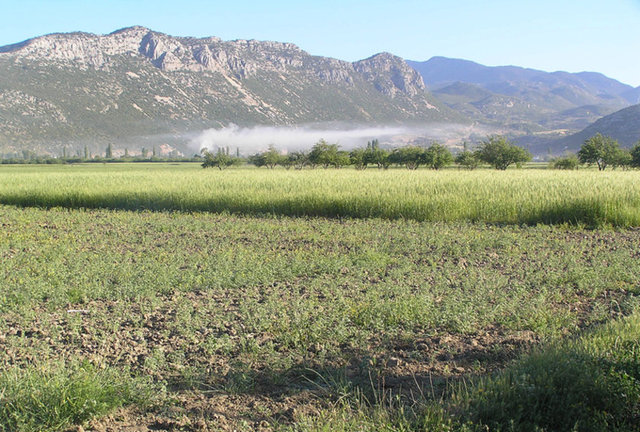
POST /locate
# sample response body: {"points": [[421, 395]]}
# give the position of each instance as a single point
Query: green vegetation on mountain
{"points": [[139, 88]]}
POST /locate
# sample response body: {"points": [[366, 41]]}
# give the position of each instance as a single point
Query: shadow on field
{"points": [[299, 207], [579, 212], [284, 396], [402, 375], [590, 383]]}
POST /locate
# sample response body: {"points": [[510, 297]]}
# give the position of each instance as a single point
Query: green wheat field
{"points": [[169, 297], [510, 197]]}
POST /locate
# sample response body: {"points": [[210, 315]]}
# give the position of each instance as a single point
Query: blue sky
{"points": [[571, 35]]}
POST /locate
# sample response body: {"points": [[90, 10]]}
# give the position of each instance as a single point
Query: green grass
{"points": [[513, 197], [590, 384], [240, 305], [387, 276], [310, 323], [53, 396]]}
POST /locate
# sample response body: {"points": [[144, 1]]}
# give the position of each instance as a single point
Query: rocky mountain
{"points": [[623, 125], [135, 87], [524, 99]]}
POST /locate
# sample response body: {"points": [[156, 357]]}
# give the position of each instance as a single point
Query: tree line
{"points": [[495, 151], [30, 157], [602, 151]]}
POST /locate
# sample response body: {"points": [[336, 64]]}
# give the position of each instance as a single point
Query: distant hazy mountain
{"points": [[525, 99], [136, 87], [633, 95], [623, 125]]}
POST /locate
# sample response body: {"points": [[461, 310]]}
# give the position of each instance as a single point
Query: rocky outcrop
{"points": [[240, 58], [390, 74], [136, 82]]}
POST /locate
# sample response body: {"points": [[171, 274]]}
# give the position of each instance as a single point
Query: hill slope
{"points": [[623, 125], [136, 87], [522, 98]]}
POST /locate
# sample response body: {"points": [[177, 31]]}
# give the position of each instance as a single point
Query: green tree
{"points": [[298, 159], [287, 161], [257, 160], [269, 158], [358, 158], [220, 159], [381, 158], [272, 157], [86, 152], [467, 159], [374, 155], [341, 159], [144, 152], [378, 157], [437, 156], [621, 158], [635, 155], [411, 157], [498, 152], [323, 153], [109, 152], [600, 150]]}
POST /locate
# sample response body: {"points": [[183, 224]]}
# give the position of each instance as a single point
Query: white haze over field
{"points": [[291, 138]]}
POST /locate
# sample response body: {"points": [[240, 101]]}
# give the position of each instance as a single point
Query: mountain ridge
{"points": [[135, 83], [525, 98], [442, 61], [137, 87]]}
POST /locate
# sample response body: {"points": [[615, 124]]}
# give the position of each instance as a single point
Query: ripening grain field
{"points": [[511, 197], [167, 297]]}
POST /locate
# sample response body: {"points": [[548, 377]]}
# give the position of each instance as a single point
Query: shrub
{"points": [[570, 162]]}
